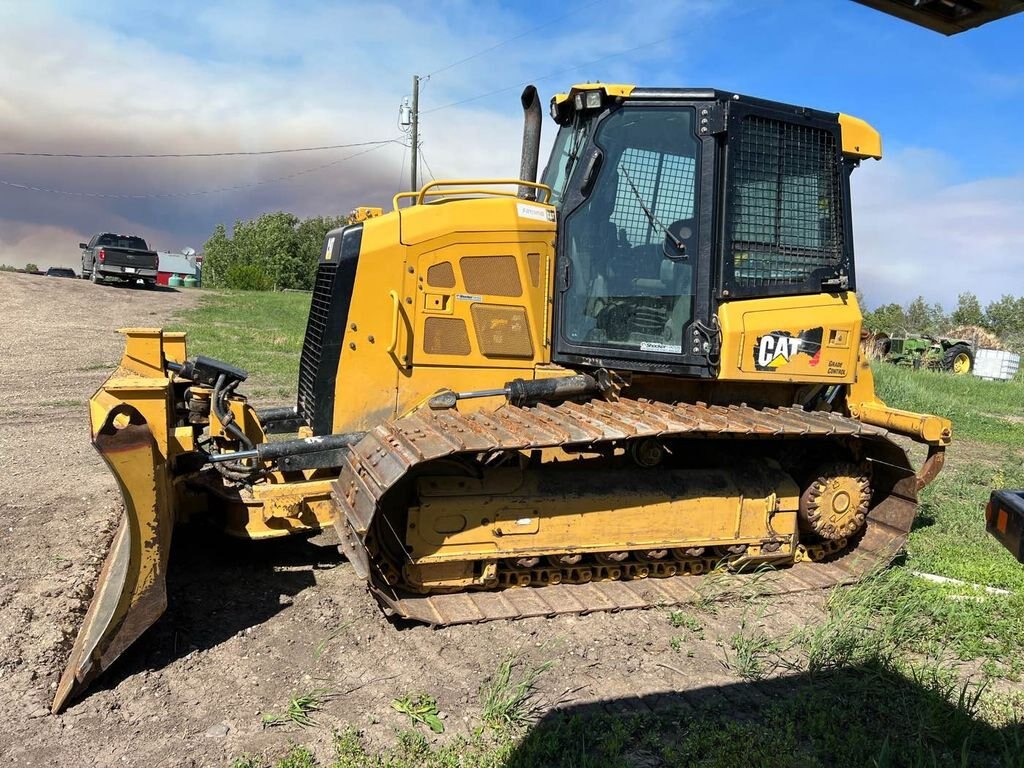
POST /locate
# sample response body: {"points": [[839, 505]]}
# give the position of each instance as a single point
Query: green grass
{"points": [[260, 332], [989, 411], [300, 711], [510, 695], [753, 654], [867, 715], [420, 709]]}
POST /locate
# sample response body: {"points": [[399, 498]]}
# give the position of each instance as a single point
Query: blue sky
{"points": [[232, 75]]}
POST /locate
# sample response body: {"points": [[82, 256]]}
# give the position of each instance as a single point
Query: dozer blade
{"points": [[131, 592]]}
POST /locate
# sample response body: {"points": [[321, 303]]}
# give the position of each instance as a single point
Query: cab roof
{"points": [[860, 139]]}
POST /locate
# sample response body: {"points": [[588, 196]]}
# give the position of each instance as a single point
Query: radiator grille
{"points": [[491, 275], [502, 331], [313, 345], [445, 336], [786, 205]]}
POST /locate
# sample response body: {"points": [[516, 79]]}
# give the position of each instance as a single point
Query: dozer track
{"points": [[395, 448]]}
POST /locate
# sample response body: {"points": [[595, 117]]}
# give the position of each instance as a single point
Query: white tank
{"points": [[996, 364]]}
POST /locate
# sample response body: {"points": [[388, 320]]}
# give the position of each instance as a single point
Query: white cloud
{"points": [[103, 76], [107, 76], [919, 230]]}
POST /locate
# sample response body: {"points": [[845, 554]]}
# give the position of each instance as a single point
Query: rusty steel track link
{"points": [[387, 453]]}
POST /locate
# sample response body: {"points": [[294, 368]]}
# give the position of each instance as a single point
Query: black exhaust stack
{"points": [[531, 141]]}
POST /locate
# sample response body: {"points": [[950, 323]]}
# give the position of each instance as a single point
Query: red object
{"points": [[102, 255]]}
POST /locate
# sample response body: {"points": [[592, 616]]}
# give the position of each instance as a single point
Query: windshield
{"points": [[630, 244], [122, 241], [564, 155]]}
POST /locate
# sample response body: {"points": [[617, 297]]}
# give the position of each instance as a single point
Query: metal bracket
{"points": [[711, 120]]}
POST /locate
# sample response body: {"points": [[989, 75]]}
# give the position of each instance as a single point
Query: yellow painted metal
{"points": [[859, 138], [131, 417], [962, 364], [811, 339], [865, 405], [835, 504], [143, 352], [470, 188], [386, 368], [456, 220], [272, 510], [174, 346], [367, 383], [474, 293], [510, 512], [245, 417], [610, 89], [364, 212], [130, 429], [563, 104]]}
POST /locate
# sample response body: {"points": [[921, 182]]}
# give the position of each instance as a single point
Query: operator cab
{"points": [[672, 201]]}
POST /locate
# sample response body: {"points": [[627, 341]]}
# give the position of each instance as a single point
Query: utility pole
{"points": [[415, 131]]}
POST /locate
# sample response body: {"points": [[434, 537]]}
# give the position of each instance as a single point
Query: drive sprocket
{"points": [[835, 503]]}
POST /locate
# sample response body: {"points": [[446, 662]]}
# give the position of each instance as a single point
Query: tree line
{"points": [[276, 251], [1004, 318]]}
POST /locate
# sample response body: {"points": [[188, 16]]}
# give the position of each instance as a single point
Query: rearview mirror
{"points": [[83, 245]]}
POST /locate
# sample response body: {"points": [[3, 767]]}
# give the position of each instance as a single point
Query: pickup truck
{"points": [[119, 257]]}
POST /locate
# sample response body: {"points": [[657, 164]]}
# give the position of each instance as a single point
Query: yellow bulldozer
{"points": [[528, 398]]}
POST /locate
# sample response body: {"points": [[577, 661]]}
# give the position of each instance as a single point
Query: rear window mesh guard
{"points": [[785, 227]]}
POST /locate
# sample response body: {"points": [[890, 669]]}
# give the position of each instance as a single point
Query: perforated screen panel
{"points": [[785, 225], [491, 275], [502, 331], [441, 275], [445, 336]]}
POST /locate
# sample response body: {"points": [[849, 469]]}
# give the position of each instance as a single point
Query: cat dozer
{"points": [[528, 398]]}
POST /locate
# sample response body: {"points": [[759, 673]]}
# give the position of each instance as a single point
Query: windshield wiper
{"points": [[654, 220]]}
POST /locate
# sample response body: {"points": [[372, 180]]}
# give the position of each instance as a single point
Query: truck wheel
{"points": [[958, 359]]}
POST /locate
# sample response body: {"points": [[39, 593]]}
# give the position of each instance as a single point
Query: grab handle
{"points": [[396, 306]]}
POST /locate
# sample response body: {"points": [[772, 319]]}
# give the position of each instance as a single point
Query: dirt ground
{"points": [[248, 624]]}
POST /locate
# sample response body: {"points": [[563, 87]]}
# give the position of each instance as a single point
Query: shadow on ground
{"points": [[218, 586], [858, 716]]}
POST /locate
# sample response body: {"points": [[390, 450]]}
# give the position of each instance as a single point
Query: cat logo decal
{"points": [[776, 349]]}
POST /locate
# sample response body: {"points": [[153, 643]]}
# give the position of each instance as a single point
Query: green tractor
{"points": [[939, 353]]}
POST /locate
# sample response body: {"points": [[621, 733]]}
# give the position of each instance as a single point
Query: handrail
{"points": [[396, 305], [402, 196], [431, 189]]}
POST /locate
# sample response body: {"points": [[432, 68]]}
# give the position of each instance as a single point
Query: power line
{"points": [[401, 170], [649, 44], [197, 154], [193, 193], [520, 36], [429, 169]]}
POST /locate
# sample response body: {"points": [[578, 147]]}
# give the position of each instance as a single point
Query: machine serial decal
{"points": [[776, 349], [535, 212]]}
